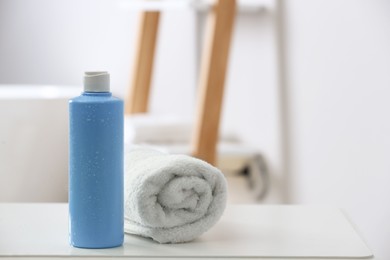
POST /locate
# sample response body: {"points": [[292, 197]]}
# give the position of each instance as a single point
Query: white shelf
{"points": [[260, 232]]}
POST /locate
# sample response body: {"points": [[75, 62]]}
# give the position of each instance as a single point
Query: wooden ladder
{"points": [[213, 69]]}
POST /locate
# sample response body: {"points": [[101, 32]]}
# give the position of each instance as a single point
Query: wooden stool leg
{"points": [[212, 80], [138, 96]]}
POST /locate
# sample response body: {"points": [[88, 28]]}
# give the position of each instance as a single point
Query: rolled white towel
{"points": [[171, 198]]}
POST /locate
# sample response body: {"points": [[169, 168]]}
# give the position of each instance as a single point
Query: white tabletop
{"points": [[266, 232]]}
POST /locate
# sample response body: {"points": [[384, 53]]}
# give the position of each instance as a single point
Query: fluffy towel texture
{"points": [[162, 129], [171, 198], [146, 128]]}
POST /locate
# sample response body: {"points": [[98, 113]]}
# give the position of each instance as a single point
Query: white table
{"points": [[34, 231]]}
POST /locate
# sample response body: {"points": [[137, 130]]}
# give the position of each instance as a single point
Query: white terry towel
{"points": [[171, 198], [158, 129], [162, 130]]}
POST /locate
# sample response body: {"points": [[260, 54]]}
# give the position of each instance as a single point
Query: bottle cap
{"points": [[97, 81]]}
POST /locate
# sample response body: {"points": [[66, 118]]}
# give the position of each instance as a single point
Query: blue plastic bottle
{"points": [[96, 165]]}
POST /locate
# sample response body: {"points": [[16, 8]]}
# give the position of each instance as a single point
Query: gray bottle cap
{"points": [[97, 81]]}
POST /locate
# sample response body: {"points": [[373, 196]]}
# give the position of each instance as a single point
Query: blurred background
{"points": [[306, 97]]}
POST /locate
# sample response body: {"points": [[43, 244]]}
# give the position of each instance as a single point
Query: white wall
{"points": [[54, 42], [338, 80]]}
